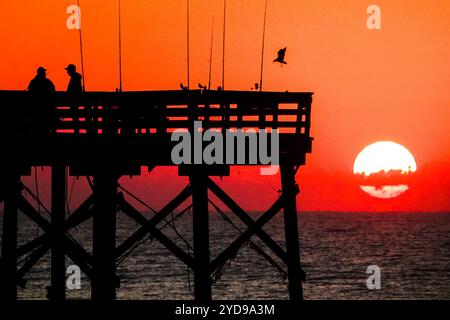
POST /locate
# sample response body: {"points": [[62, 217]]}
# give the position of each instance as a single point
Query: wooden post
{"points": [[104, 237], [57, 232], [290, 190], [8, 286], [200, 218]]}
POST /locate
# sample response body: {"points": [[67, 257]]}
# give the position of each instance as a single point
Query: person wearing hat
{"points": [[74, 86], [41, 112], [40, 85], [74, 89]]}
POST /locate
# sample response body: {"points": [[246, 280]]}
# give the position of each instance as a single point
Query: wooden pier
{"points": [[106, 135]]}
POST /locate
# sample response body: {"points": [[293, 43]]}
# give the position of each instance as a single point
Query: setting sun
{"points": [[381, 166], [384, 155]]}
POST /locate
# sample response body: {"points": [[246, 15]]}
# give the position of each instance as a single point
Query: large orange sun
{"points": [[383, 168]]}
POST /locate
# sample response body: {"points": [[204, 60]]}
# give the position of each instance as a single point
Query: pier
{"points": [[106, 135]]}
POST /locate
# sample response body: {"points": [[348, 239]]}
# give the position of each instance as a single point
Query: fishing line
{"points": [[188, 44], [223, 42], [120, 46], [211, 55], [36, 186], [262, 51], [81, 47]]}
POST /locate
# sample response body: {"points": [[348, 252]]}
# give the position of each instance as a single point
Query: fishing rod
{"points": [[120, 46], [188, 45], [211, 54], [81, 47], [223, 42], [262, 51]]}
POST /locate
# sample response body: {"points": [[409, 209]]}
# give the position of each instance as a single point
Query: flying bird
{"points": [[281, 55]]}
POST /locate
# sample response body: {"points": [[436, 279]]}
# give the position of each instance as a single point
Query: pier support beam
{"points": [[57, 233], [290, 191], [104, 237], [8, 285], [200, 218]]}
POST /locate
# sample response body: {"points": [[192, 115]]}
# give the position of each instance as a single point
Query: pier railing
{"points": [[129, 120]]}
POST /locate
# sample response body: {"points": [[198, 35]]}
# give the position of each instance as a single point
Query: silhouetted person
{"points": [[40, 86], [281, 56], [42, 92], [74, 89]]}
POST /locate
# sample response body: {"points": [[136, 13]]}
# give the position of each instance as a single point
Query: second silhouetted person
{"points": [[75, 87]]}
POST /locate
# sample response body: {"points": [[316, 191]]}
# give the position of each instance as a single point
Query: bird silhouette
{"points": [[281, 55]]}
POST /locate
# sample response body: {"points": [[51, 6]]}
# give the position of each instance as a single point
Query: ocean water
{"points": [[412, 250]]}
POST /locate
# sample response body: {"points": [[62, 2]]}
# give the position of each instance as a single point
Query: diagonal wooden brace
{"points": [[80, 215], [151, 223], [74, 251], [238, 211], [155, 232], [234, 247]]}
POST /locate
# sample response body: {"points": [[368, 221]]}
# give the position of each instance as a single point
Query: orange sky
{"points": [[389, 84]]}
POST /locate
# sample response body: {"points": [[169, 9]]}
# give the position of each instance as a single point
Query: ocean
{"points": [[412, 251]]}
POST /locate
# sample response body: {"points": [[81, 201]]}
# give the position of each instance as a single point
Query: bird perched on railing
{"points": [[255, 87], [281, 56]]}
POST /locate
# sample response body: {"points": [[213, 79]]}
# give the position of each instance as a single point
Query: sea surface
{"points": [[411, 249]]}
